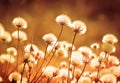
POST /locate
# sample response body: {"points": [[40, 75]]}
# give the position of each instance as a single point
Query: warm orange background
{"points": [[101, 17]]}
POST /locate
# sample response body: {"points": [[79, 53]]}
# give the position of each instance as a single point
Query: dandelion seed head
{"points": [[12, 51], [6, 37], [2, 30], [19, 23], [7, 58], [63, 20], [1, 79], [48, 71], [14, 76], [109, 38], [79, 27], [108, 48], [49, 38], [76, 58], [22, 35], [94, 63], [95, 46], [63, 64], [108, 78], [84, 80], [86, 51], [113, 60]]}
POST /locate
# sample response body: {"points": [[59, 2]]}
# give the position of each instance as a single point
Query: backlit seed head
{"points": [[14, 76], [19, 23], [79, 27], [2, 30], [22, 35], [63, 20], [109, 38], [6, 37], [12, 51], [50, 38], [109, 48]]}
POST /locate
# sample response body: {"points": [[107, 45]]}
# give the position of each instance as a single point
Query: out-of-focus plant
{"points": [[87, 64]]}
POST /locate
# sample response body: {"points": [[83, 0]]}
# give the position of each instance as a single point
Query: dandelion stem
{"points": [[83, 70], [98, 72], [71, 55], [46, 66], [22, 72], [41, 63]]}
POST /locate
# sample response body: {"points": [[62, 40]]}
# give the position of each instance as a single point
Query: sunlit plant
{"points": [[27, 63]]}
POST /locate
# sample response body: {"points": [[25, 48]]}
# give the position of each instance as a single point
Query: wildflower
{"points": [[63, 64], [115, 70], [31, 48], [7, 58], [108, 78], [108, 48], [6, 37], [14, 76], [62, 52], [2, 30], [86, 51], [22, 35], [84, 80], [63, 20], [1, 79], [12, 51], [19, 23], [109, 38], [50, 38], [48, 71], [113, 60], [77, 73], [93, 75], [76, 58], [94, 63], [64, 73], [79, 27], [95, 46]]}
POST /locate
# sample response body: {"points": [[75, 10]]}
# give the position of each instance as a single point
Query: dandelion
{"points": [[2, 30], [108, 78], [12, 51], [115, 70], [109, 38], [94, 63], [6, 37], [14, 77], [76, 58], [49, 71], [1, 79], [108, 48], [63, 64], [7, 58], [22, 35], [63, 20], [113, 60], [49, 38], [79, 27], [84, 80], [86, 51], [95, 46], [19, 23]]}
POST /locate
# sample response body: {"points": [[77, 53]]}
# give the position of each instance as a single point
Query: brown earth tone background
{"points": [[100, 16]]}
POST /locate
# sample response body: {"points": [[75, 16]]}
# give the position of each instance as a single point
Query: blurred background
{"points": [[100, 16]]}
